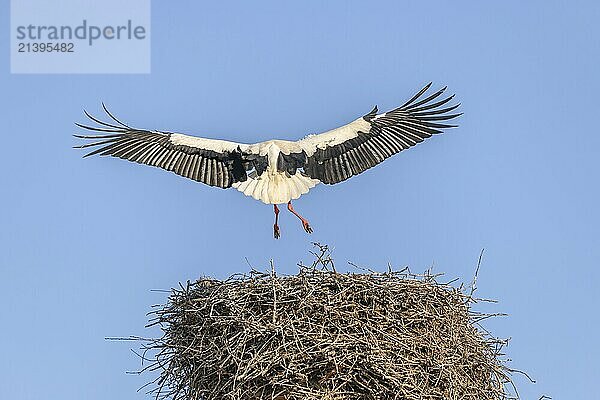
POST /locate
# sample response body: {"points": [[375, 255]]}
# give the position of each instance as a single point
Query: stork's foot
{"points": [[276, 233], [305, 223], [307, 227]]}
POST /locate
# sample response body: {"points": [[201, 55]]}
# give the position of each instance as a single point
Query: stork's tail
{"points": [[278, 188]]}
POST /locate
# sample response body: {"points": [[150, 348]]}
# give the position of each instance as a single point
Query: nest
{"points": [[324, 335]]}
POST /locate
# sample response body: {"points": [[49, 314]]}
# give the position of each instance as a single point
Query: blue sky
{"points": [[84, 241]]}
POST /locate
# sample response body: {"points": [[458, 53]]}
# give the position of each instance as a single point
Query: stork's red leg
{"points": [[276, 227], [305, 223]]}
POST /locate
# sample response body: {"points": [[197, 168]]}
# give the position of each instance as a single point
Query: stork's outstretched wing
{"points": [[336, 155], [213, 162]]}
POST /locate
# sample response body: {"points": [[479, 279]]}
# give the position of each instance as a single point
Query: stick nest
{"points": [[324, 335]]}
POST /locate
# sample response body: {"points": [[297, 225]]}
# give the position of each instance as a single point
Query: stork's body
{"points": [[275, 186], [279, 171]]}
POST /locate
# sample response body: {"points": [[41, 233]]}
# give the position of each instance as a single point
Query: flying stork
{"points": [[278, 171]]}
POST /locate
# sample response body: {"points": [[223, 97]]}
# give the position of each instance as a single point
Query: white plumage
{"points": [[273, 186], [278, 171]]}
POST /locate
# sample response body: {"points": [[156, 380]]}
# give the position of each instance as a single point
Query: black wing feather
{"points": [[389, 134], [156, 149]]}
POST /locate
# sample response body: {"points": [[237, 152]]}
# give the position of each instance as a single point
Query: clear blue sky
{"points": [[84, 241]]}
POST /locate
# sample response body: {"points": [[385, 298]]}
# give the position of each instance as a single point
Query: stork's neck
{"points": [[273, 155]]}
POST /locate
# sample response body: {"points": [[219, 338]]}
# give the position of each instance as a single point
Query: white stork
{"points": [[278, 171]]}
